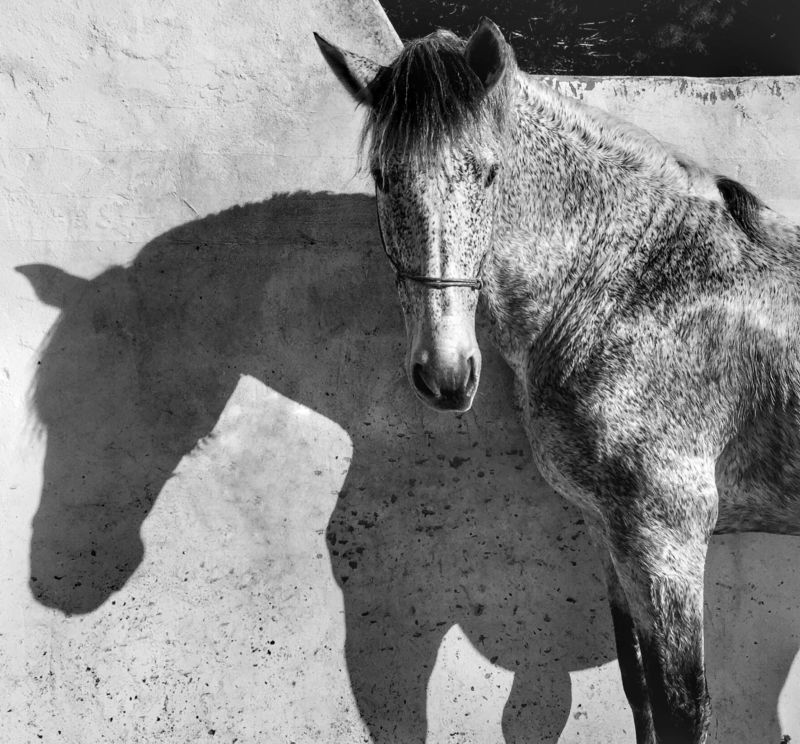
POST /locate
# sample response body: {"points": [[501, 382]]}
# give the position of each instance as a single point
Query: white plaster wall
{"points": [[242, 525]]}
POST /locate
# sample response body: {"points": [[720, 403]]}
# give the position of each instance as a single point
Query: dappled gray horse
{"points": [[649, 310]]}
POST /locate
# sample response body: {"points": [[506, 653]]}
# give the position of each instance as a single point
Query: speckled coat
{"points": [[650, 311]]}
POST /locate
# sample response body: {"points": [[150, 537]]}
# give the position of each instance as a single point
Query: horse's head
{"points": [[432, 135]]}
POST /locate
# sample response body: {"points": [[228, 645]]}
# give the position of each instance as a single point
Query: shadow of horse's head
{"points": [[108, 453]]}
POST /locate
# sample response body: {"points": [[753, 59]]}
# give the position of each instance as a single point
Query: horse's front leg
{"points": [[629, 656], [657, 537]]}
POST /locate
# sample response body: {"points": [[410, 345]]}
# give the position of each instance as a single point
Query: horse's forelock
{"points": [[426, 100]]}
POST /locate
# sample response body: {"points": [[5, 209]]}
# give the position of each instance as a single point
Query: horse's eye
{"points": [[490, 176], [380, 179]]}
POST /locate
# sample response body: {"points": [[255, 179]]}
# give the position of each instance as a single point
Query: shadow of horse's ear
{"points": [[52, 285]]}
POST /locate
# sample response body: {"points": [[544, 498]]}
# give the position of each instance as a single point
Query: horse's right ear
{"points": [[355, 72], [486, 53], [52, 285]]}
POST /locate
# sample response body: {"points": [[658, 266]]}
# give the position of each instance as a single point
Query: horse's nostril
{"points": [[471, 379], [420, 382]]}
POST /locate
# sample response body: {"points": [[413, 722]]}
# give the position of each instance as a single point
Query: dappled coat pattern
{"points": [[649, 309]]}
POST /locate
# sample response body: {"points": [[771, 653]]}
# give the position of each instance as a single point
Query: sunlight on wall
{"points": [[273, 616], [788, 703], [466, 694]]}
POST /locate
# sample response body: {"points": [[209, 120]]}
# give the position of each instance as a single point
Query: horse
{"points": [[649, 310]]}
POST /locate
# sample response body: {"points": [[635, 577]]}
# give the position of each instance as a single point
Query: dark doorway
{"points": [[621, 37]]}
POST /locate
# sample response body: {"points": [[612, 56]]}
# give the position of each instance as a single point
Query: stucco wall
{"points": [[241, 524]]}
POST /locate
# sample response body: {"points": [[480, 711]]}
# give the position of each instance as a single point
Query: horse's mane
{"points": [[428, 98], [744, 206]]}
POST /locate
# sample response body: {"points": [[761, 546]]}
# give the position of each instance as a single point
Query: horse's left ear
{"points": [[355, 72], [486, 53]]}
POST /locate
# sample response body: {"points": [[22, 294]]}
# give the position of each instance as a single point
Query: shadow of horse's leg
{"points": [[538, 706], [629, 656], [389, 673]]}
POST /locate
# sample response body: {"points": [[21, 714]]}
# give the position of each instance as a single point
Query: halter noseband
{"points": [[434, 282]]}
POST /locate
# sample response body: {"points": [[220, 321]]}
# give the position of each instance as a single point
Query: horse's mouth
{"points": [[451, 404]]}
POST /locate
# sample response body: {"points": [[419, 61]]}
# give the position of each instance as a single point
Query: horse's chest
{"points": [[559, 452]]}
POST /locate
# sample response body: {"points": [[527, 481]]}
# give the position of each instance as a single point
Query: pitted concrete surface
{"points": [[228, 518]]}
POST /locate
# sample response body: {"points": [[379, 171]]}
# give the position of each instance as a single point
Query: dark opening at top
{"points": [[717, 38]]}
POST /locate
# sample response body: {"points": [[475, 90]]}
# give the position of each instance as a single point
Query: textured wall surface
{"points": [[229, 519]]}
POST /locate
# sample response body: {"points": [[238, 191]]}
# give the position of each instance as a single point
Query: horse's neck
{"points": [[580, 195]]}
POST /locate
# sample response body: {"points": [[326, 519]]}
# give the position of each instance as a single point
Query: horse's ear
{"points": [[486, 53], [52, 285], [355, 72]]}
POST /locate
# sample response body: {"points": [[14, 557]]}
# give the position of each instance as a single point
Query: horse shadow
{"points": [[440, 520]]}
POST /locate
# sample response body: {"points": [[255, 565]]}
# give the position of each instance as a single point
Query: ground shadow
{"points": [[436, 523]]}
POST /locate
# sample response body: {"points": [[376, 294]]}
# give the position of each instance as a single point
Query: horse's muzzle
{"points": [[446, 382]]}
